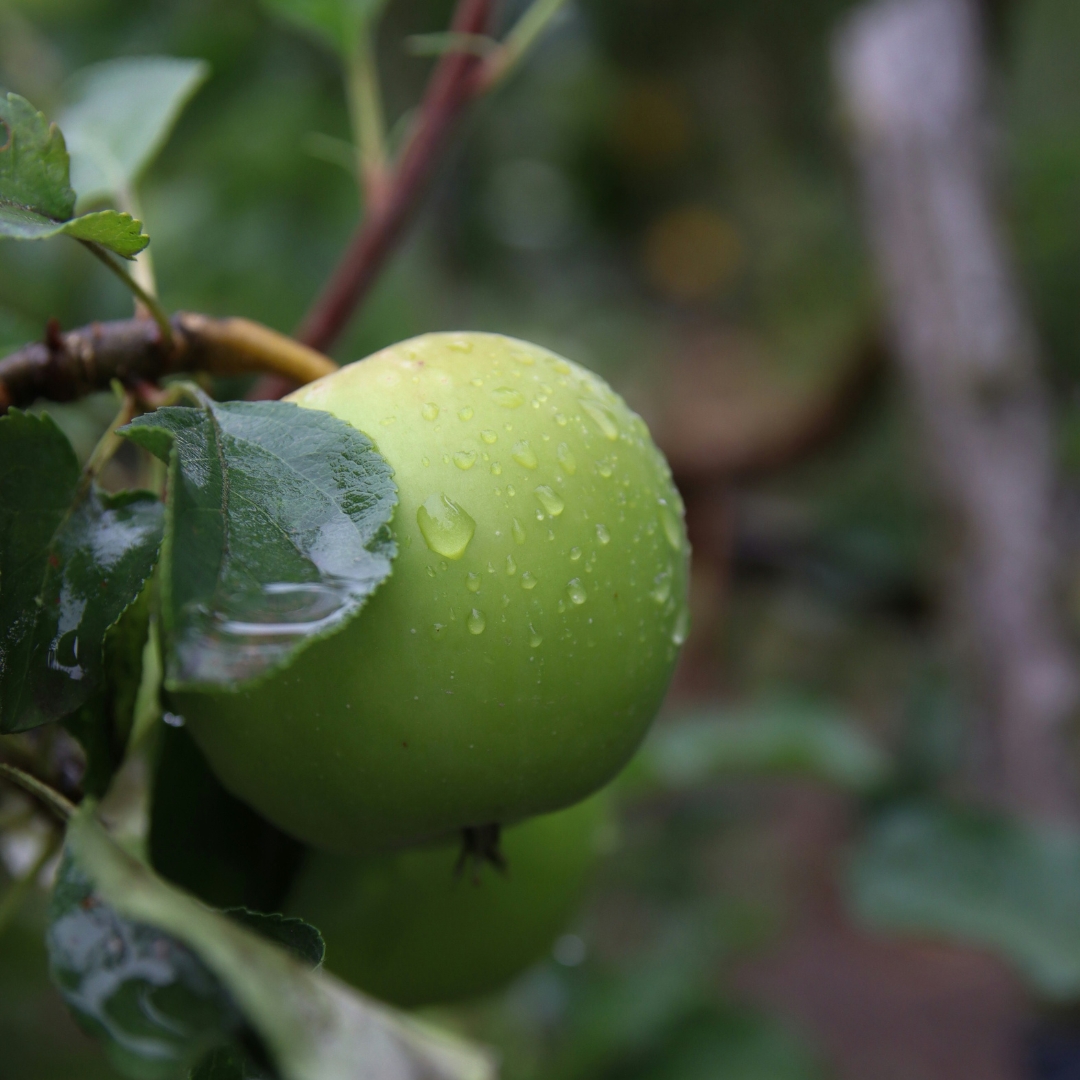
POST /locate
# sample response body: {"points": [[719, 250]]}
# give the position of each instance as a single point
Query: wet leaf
{"points": [[121, 114], [72, 560], [36, 199], [976, 878], [311, 1026], [277, 533], [149, 998], [337, 23]]}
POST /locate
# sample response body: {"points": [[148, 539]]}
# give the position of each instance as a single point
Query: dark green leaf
{"points": [[295, 935], [36, 200], [60, 595], [38, 478], [103, 723], [121, 114], [33, 162], [277, 533], [337, 23], [207, 841], [312, 1026], [781, 737], [978, 879], [155, 1006], [229, 1063]]}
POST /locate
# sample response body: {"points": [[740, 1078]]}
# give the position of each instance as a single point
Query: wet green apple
{"points": [[413, 928], [513, 660]]}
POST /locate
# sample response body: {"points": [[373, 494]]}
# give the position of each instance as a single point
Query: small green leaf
{"points": [[979, 879], [149, 998], [277, 533], [121, 114], [33, 162], [337, 23], [782, 737], [72, 560], [312, 1026], [293, 934], [36, 200], [229, 1063], [116, 231]]}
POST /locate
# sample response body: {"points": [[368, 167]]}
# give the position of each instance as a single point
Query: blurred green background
{"points": [[661, 193]]}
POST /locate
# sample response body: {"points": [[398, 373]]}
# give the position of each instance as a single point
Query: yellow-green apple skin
{"points": [[514, 659], [413, 928]]}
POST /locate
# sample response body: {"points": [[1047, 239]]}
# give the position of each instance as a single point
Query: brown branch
{"points": [[69, 366], [913, 79], [452, 86]]}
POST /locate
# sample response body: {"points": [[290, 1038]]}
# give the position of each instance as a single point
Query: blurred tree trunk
{"points": [[913, 82]]}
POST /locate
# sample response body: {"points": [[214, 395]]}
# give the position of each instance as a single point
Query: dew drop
{"points": [[682, 627], [602, 534], [605, 469], [575, 554], [511, 566], [477, 382], [576, 591], [562, 367], [560, 419], [508, 397], [425, 461], [518, 531], [511, 490], [549, 500], [388, 420], [566, 458], [661, 589], [523, 358], [488, 436], [528, 580], [535, 639], [472, 582], [430, 411], [465, 459], [438, 630], [465, 412], [671, 529], [431, 571], [524, 456], [602, 416], [445, 526], [476, 622], [496, 469], [460, 345]]}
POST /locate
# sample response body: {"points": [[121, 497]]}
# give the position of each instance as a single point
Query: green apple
{"points": [[514, 659], [413, 928]]}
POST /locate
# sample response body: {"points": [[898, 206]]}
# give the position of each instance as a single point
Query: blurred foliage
{"points": [[664, 182]]}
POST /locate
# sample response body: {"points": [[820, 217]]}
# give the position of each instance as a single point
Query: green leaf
{"points": [[277, 533], [783, 737], [337, 23], [72, 560], [292, 934], [978, 879], [148, 997], [229, 1063], [36, 200], [33, 162], [118, 232], [312, 1026], [121, 114]]}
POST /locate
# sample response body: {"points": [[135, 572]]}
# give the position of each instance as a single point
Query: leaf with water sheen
{"points": [[36, 199], [980, 879], [312, 1026], [277, 533], [121, 112], [337, 23], [72, 560], [292, 934]]}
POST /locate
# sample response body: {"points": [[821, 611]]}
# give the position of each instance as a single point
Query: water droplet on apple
{"points": [[566, 458], [602, 416], [549, 500], [524, 456], [472, 582], [602, 534], [476, 622], [430, 411], [445, 526], [528, 580], [576, 591], [465, 459], [508, 397]]}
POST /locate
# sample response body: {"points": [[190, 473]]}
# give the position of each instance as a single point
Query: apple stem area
{"points": [[480, 845]]}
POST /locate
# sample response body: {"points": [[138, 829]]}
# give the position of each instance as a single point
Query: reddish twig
{"points": [[453, 84]]}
